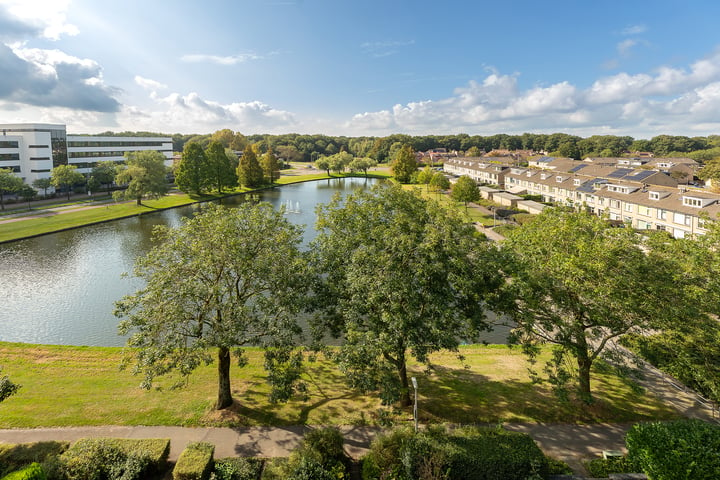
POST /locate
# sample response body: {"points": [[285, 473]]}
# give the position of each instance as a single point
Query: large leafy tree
{"points": [[249, 171], [221, 172], [405, 164], [270, 166], [105, 172], [465, 190], [362, 163], [66, 176], [192, 173], [399, 277], [226, 278], [43, 183], [9, 183], [323, 163], [711, 172], [580, 284], [145, 175]]}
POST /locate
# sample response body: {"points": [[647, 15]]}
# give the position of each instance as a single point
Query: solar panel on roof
{"points": [[576, 168], [642, 175], [620, 172], [587, 187]]}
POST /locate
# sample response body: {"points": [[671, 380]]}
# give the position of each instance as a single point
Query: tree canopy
{"points": [[249, 172], [398, 276], [66, 176], [270, 166], [145, 175], [7, 387], [465, 190], [221, 172], [224, 279], [191, 174], [9, 182], [580, 284], [405, 164]]}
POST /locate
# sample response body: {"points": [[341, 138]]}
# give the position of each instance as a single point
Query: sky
{"points": [[363, 67]]}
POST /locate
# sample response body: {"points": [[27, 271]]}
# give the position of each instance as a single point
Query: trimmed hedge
{"points": [[320, 456], [32, 472], [470, 453], [195, 462], [676, 450], [113, 458], [14, 456], [603, 467], [238, 468]]}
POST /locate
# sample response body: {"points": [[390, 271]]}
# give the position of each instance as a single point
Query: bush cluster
{"points": [[32, 472], [320, 456], [195, 462], [469, 453], [603, 467], [676, 450], [237, 469], [16, 456]]}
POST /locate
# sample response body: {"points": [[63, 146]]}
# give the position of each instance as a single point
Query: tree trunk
{"points": [[139, 201], [404, 387], [584, 364], [224, 394], [68, 194]]}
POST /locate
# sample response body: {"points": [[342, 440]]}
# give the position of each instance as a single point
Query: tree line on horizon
{"points": [[307, 148]]}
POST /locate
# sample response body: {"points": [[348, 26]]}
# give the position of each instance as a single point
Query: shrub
{"points": [[677, 450], [469, 453], [319, 456], [237, 469], [109, 458], [603, 467], [195, 462], [32, 472], [18, 455]]}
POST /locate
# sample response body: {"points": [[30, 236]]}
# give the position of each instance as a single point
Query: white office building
{"points": [[31, 150]]}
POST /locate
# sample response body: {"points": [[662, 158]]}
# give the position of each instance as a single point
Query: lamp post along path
{"points": [[415, 411]]}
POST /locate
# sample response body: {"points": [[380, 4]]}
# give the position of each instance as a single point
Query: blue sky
{"points": [[346, 67]]}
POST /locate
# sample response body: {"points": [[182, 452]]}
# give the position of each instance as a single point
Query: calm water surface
{"points": [[60, 288]]}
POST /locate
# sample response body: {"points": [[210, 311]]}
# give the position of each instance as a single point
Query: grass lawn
{"points": [[66, 386], [471, 214]]}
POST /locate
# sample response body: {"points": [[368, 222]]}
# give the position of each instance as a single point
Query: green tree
{"points": [[224, 279], [9, 183], [363, 164], [398, 276], [439, 182], [7, 388], [249, 172], [93, 185], [191, 174], [711, 171], [339, 161], [105, 173], [405, 164], [220, 170], [473, 152], [580, 284], [425, 176], [43, 183], [65, 176], [145, 175], [465, 190], [323, 163], [27, 193], [270, 166]]}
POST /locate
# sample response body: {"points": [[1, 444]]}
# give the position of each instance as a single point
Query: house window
{"points": [[643, 210], [615, 204], [692, 202], [601, 201], [682, 219], [576, 182], [662, 214], [654, 195], [628, 207]]}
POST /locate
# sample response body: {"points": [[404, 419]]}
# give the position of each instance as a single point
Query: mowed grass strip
{"points": [[72, 386]]}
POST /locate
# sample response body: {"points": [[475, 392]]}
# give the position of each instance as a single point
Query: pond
{"points": [[60, 288]]}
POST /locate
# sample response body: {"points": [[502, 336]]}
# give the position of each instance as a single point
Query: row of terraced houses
{"points": [[645, 193]]}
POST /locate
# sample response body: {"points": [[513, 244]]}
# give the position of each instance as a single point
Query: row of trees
{"points": [[399, 277], [343, 160], [296, 147]]}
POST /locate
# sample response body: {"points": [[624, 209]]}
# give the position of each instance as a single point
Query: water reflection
{"points": [[60, 288]]}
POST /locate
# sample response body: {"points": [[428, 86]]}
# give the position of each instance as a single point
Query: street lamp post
{"points": [[415, 411]]}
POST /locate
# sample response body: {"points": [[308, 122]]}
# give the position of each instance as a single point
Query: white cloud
{"points": [[625, 46], [385, 48], [45, 16], [221, 60], [634, 29], [149, 84], [667, 100]]}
